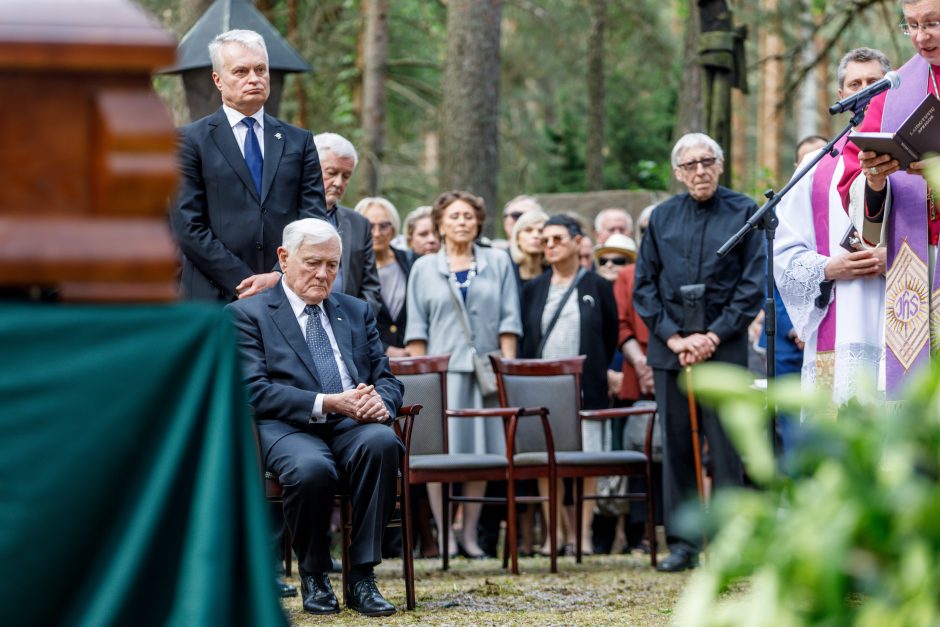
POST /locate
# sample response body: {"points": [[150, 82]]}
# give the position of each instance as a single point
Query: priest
{"points": [[833, 295], [905, 203]]}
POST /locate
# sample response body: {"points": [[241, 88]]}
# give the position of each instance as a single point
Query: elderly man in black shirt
{"points": [[677, 258]]}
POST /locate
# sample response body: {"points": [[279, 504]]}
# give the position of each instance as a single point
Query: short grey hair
{"points": [[523, 199], [247, 38], [337, 144], [412, 218], [526, 220], [643, 221], [696, 140], [309, 230], [862, 55], [363, 205], [603, 213]]}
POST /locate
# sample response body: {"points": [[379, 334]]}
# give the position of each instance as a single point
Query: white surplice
{"points": [[856, 360]]}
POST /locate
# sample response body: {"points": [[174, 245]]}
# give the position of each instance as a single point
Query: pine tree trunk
{"points": [[374, 67], [768, 122], [689, 114], [470, 103], [594, 150]]}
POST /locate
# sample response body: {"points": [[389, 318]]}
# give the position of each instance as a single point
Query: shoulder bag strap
{"points": [[561, 305]]}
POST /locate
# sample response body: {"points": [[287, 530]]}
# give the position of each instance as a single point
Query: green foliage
{"points": [[850, 538], [543, 97], [545, 104]]}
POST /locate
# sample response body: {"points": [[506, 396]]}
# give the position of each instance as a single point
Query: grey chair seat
{"points": [[581, 458], [449, 461]]}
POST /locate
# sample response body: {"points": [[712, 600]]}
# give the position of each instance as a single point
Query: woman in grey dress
{"points": [[480, 282]]}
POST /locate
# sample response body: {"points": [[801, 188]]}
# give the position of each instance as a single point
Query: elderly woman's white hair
{"points": [[695, 140], [337, 144], [363, 205], [247, 38], [309, 230], [526, 220]]}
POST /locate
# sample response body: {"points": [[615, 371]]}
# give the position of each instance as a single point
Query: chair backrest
{"points": [[425, 381], [551, 383]]}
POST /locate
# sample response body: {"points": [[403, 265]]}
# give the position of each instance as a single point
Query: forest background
{"points": [[506, 97]]}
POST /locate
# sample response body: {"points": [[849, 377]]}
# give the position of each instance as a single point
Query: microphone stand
{"points": [[766, 219]]}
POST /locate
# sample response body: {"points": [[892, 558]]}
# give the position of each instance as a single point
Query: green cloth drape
{"points": [[130, 491]]}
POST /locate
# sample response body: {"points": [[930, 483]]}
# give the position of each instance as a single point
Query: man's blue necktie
{"points": [[322, 352], [253, 154]]}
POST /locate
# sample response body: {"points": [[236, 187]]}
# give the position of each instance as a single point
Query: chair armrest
{"points": [[408, 413], [616, 412], [408, 410], [493, 412]]}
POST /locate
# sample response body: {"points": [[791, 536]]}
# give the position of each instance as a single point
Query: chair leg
{"points": [[553, 521], [445, 525], [287, 543], [506, 546], [345, 515], [407, 549], [511, 525], [579, 519], [651, 514]]}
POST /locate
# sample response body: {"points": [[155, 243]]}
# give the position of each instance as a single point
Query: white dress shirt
{"points": [[241, 131], [298, 305]]}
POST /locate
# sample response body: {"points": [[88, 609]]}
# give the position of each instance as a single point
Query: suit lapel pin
{"points": [[278, 135], [588, 299], [338, 318]]}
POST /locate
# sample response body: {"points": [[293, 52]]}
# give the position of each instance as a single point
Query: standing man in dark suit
{"points": [[678, 274], [358, 275], [244, 176], [322, 393]]}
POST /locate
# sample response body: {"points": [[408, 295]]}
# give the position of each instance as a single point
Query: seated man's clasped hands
{"points": [[322, 394]]}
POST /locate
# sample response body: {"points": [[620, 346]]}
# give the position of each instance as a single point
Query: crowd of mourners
{"points": [[261, 225]]}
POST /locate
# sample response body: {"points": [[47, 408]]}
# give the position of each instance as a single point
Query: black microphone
{"points": [[891, 80]]}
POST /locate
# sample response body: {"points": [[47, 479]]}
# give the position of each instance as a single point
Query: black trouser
{"points": [[306, 463], [678, 459]]}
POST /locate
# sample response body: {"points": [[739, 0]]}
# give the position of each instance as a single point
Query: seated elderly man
{"points": [[322, 392]]}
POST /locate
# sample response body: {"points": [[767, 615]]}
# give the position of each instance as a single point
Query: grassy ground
{"points": [[603, 590]]}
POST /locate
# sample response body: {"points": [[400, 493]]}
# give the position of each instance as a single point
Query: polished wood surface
{"points": [[87, 149]]}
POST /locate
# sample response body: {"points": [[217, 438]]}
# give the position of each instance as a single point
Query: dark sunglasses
{"points": [[617, 261], [555, 240], [515, 215]]}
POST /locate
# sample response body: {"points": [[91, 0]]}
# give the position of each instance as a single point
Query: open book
{"points": [[917, 136]]}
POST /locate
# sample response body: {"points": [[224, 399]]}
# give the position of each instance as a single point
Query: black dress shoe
{"points": [[364, 597], [318, 594], [284, 589], [678, 561]]}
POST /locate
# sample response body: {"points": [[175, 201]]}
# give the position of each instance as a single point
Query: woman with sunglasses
{"points": [[568, 311], [614, 255]]}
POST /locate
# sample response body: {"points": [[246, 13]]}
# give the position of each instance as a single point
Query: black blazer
{"points": [[225, 231], [598, 329], [279, 372], [392, 330], [360, 276]]}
